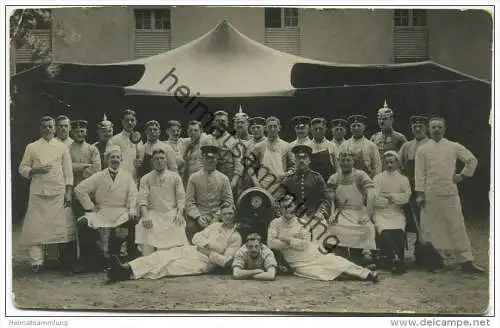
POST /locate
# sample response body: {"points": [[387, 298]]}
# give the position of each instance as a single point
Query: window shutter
{"points": [[149, 43], [24, 54], [410, 43], [286, 39]]}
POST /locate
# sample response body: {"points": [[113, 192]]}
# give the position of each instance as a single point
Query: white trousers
{"points": [[36, 254]]}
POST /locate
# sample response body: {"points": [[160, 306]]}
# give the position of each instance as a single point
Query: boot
{"points": [[399, 268], [118, 271], [469, 267]]}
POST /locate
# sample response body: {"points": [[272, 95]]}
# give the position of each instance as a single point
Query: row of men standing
{"points": [[273, 154]]}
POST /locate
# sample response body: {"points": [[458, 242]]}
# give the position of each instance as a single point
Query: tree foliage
{"points": [[23, 26]]}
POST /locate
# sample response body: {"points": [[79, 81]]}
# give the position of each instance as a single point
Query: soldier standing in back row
{"points": [[105, 132], [365, 153], [387, 139]]}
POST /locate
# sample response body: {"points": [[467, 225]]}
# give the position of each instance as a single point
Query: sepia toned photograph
{"points": [[259, 160]]}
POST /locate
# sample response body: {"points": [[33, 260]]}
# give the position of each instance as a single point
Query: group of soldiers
{"points": [[170, 205]]}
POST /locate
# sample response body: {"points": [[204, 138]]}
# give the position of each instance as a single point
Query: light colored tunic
{"points": [[178, 147], [271, 160], [130, 151], [163, 195], [192, 159], [171, 155], [68, 141], [114, 200], [366, 155], [353, 226], [390, 215], [442, 221], [222, 242], [46, 220], [303, 255], [206, 193], [84, 153]]}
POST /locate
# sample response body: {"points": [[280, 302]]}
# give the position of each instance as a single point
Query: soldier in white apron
{"points": [[47, 164], [442, 221], [161, 201], [103, 227], [392, 192], [351, 189], [365, 153]]}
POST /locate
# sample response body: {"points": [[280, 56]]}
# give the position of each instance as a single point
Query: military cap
{"points": [[46, 118], [339, 122], [61, 117], [257, 121], [385, 111], [357, 119], [129, 112], [154, 123], [391, 153], [112, 149], [301, 121], [302, 149], [318, 120], [418, 119], [79, 124], [172, 123], [345, 152], [221, 113], [210, 150], [104, 124], [273, 119], [159, 147]]}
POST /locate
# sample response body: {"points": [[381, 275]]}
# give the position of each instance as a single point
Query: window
{"points": [[409, 17], [152, 19], [281, 17]]}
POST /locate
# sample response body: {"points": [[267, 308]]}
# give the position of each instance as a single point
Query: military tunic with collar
{"points": [[309, 190], [394, 141]]}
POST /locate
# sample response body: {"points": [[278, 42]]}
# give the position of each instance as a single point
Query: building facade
{"points": [[355, 36]]}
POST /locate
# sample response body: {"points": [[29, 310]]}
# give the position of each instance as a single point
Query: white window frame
{"points": [[284, 18], [153, 20], [411, 12]]}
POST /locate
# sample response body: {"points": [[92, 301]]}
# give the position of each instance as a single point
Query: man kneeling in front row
{"points": [[254, 260]]}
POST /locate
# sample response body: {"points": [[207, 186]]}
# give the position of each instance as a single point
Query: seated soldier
{"points": [[207, 191], [254, 260], [392, 192], [115, 204], [350, 189], [289, 236], [212, 248], [161, 201]]}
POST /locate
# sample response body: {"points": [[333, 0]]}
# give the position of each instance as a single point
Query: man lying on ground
{"points": [[254, 260], [289, 236], [212, 248]]}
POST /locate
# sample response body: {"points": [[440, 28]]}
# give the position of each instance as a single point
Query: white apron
{"points": [[269, 175], [47, 221], [349, 231], [165, 233], [388, 216]]}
